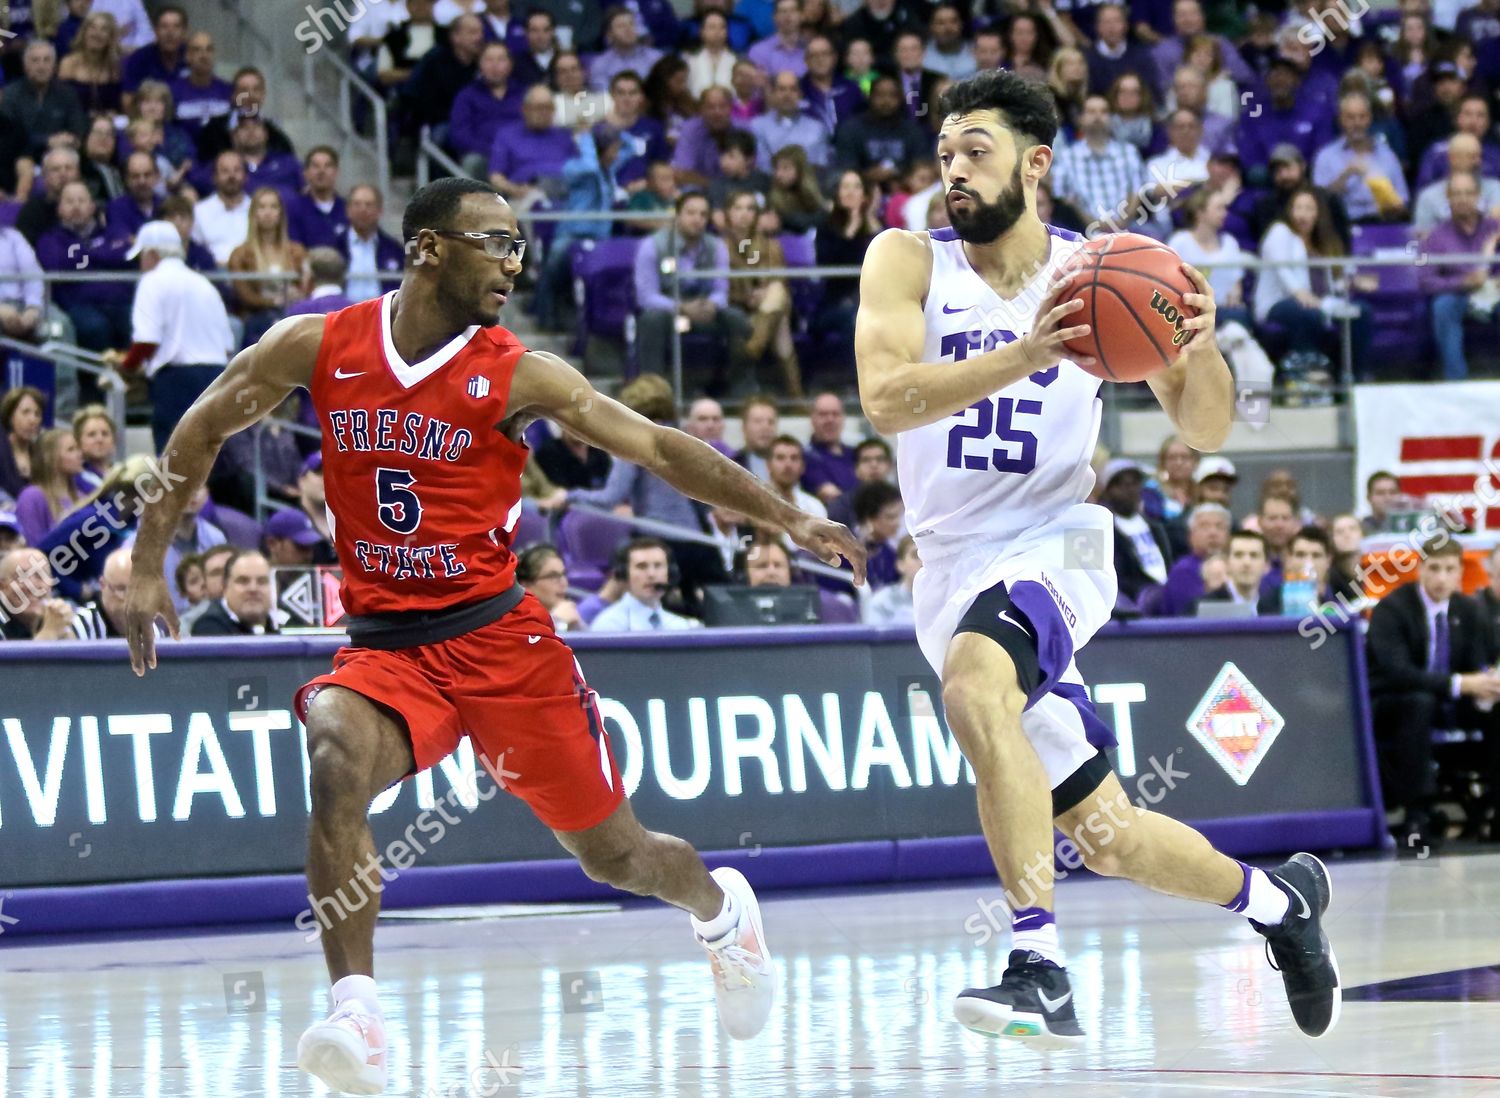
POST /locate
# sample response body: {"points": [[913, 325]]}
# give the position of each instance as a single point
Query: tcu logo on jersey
{"points": [[960, 345]]}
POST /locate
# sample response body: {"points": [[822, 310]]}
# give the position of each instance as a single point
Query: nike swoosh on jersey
{"points": [[1053, 1005], [341, 375], [1004, 615], [532, 640], [960, 309]]}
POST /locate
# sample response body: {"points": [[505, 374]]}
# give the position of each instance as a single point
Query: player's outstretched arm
{"points": [[1197, 391], [547, 386], [897, 389], [255, 382]]}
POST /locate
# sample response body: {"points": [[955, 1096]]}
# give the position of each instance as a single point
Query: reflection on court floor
{"points": [[1177, 1000]]}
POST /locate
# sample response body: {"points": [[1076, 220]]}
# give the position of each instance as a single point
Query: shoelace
{"points": [[740, 961], [1023, 978]]}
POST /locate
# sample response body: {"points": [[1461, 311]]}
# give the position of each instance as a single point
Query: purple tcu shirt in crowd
{"points": [[773, 57], [697, 149], [313, 226], [123, 215], [524, 155], [1184, 587], [97, 249], [823, 466], [1437, 277], [279, 170], [831, 107], [1262, 128], [1435, 163], [331, 300], [477, 115], [147, 64], [196, 105]]}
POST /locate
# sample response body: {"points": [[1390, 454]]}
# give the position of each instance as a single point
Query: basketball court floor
{"points": [[1178, 1000]]}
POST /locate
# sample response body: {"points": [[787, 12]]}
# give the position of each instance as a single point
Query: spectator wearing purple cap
{"points": [[290, 538], [100, 310], [1359, 165], [527, 157], [782, 51], [1275, 116], [488, 104], [164, 59], [696, 157], [623, 53], [1472, 119], [317, 216], [1115, 52], [1468, 231]]}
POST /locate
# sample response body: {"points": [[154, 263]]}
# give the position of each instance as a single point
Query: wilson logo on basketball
{"points": [[1171, 315]]}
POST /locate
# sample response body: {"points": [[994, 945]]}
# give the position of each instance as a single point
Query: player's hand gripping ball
{"points": [[1132, 288]]}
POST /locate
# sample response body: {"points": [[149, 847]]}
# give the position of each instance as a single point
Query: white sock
{"points": [[721, 924], [357, 987], [1267, 904], [1042, 940]]}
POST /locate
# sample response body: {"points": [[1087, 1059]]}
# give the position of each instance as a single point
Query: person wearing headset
{"points": [[647, 578]]}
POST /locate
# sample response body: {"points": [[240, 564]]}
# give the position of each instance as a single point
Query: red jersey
{"points": [[423, 488]]}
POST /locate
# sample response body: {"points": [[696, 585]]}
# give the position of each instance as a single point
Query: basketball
{"points": [[1131, 287]]}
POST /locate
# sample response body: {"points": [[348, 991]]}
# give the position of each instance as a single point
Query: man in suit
{"points": [[1142, 553], [245, 609], [918, 82], [1430, 651], [1246, 566]]}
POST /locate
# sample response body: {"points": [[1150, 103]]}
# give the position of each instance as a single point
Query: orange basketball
{"points": [[1131, 287]]}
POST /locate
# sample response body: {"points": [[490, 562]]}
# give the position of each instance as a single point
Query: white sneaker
{"points": [[347, 1051], [745, 977]]}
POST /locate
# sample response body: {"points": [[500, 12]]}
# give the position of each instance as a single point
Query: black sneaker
{"points": [[1032, 1002], [1298, 948]]}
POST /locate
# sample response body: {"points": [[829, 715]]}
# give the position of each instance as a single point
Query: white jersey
{"points": [[1012, 461]]}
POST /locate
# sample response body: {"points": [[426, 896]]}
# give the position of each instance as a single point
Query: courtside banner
{"points": [[734, 739], [1440, 439]]}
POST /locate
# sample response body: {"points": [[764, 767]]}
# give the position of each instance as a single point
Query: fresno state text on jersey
{"points": [[423, 488]]}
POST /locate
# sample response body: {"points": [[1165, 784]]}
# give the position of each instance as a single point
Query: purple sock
{"points": [[1242, 897]]}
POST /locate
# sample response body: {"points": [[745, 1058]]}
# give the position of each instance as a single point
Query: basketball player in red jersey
{"points": [[423, 400]]}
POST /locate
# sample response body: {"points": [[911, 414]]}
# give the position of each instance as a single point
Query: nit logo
{"points": [[479, 387], [1435, 465], [1235, 724]]}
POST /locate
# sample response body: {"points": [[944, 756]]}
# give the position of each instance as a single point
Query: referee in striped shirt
{"points": [[105, 616]]}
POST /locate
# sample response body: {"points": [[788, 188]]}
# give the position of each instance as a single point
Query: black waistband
{"points": [[410, 628]]}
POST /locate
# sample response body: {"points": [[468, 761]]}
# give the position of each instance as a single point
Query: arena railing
{"points": [[70, 359]]}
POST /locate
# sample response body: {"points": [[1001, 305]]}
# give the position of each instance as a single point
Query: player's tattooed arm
{"points": [[899, 391], [1197, 391], [546, 385], [254, 383]]}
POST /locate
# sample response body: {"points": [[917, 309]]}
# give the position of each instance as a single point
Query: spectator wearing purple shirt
{"points": [[1467, 232], [317, 217], [1115, 53], [128, 212], [784, 124], [699, 143], [100, 310], [1187, 20], [642, 139], [827, 94], [705, 421], [1274, 115], [162, 60], [1207, 536], [829, 471], [527, 159], [503, 25], [326, 271], [491, 102], [263, 166], [782, 51], [704, 300], [1473, 118], [198, 93], [625, 52], [1359, 165], [1318, 94]]}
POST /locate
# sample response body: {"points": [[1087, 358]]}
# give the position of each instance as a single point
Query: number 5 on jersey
{"points": [[399, 508]]}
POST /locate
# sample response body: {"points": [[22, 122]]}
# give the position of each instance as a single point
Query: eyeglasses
{"points": [[496, 245], [552, 576]]}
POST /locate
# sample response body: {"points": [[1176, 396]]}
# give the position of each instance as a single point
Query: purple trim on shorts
{"points": [[1054, 643], [1242, 897], [1031, 918], [1099, 734]]}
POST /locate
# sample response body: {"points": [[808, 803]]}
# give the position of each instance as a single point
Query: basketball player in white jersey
{"points": [[960, 351]]}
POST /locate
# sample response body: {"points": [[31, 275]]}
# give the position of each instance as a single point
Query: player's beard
{"points": [[982, 222], [462, 307]]}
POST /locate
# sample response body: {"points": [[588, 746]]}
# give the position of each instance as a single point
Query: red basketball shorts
{"points": [[516, 690]]}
